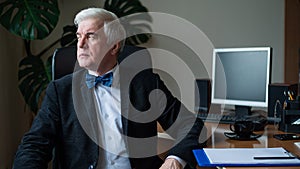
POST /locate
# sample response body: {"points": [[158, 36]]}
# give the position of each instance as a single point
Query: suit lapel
{"points": [[84, 104], [124, 94], [131, 61]]}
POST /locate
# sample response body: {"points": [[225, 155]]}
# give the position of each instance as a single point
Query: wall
{"points": [[227, 23], [13, 119], [234, 23]]}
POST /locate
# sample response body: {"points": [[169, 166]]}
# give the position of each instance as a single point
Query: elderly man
{"points": [[96, 118]]}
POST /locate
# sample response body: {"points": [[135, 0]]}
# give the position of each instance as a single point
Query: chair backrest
{"points": [[65, 59]]}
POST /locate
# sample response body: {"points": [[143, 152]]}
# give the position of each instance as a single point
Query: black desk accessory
{"points": [[290, 117], [286, 136], [242, 130]]}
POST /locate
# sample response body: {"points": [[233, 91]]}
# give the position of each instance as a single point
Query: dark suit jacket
{"points": [[66, 127]]}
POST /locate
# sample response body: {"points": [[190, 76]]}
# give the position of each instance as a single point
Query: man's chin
{"points": [[84, 65], [87, 66]]}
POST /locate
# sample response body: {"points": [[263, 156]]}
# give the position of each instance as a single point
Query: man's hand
{"points": [[171, 163]]}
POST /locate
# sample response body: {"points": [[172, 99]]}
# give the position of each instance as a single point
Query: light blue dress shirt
{"points": [[109, 108]]}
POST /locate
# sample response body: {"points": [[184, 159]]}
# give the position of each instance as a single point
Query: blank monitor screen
{"points": [[240, 76]]}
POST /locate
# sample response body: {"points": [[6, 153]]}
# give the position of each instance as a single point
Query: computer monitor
{"points": [[240, 77]]}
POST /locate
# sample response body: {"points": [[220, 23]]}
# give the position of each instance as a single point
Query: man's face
{"points": [[91, 47]]}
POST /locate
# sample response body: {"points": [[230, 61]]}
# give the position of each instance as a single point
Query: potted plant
{"points": [[35, 20]]}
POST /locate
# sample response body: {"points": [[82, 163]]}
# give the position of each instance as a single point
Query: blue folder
{"points": [[203, 161]]}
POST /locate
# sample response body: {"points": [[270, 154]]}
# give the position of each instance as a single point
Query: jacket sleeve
{"points": [[188, 131], [35, 150]]}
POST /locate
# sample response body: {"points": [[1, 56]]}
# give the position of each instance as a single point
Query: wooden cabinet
{"points": [[292, 41]]}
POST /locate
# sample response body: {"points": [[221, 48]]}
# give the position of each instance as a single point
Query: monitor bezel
{"points": [[235, 102]]}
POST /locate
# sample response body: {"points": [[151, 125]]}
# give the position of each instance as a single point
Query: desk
{"points": [[217, 139]]}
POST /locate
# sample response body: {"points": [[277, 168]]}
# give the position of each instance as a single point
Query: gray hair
{"points": [[112, 27]]}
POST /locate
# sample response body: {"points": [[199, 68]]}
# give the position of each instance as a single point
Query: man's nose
{"points": [[82, 42]]}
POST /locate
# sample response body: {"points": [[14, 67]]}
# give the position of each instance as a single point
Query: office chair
{"points": [[64, 59]]}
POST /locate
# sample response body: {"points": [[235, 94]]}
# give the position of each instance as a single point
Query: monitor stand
{"points": [[242, 111], [245, 113]]}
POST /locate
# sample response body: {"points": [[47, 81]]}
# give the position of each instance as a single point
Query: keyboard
{"points": [[258, 120], [216, 118]]}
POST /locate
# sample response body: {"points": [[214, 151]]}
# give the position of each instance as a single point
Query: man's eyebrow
{"points": [[88, 33]]}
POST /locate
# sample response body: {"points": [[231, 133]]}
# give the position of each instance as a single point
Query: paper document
{"points": [[245, 157]]}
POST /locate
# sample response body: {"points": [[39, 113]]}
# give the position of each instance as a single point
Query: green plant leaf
{"points": [[124, 7], [29, 19], [136, 24], [33, 80], [69, 37]]}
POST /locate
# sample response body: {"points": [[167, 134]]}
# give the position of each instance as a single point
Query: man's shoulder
{"points": [[67, 80]]}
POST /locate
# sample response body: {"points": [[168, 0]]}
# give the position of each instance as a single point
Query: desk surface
{"points": [[219, 140]]}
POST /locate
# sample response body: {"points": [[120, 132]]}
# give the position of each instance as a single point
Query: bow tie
{"points": [[92, 81]]}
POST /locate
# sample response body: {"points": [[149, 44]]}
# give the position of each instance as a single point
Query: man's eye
{"points": [[78, 36], [92, 36], [87, 36]]}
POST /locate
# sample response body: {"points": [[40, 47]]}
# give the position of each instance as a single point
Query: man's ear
{"points": [[116, 48]]}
